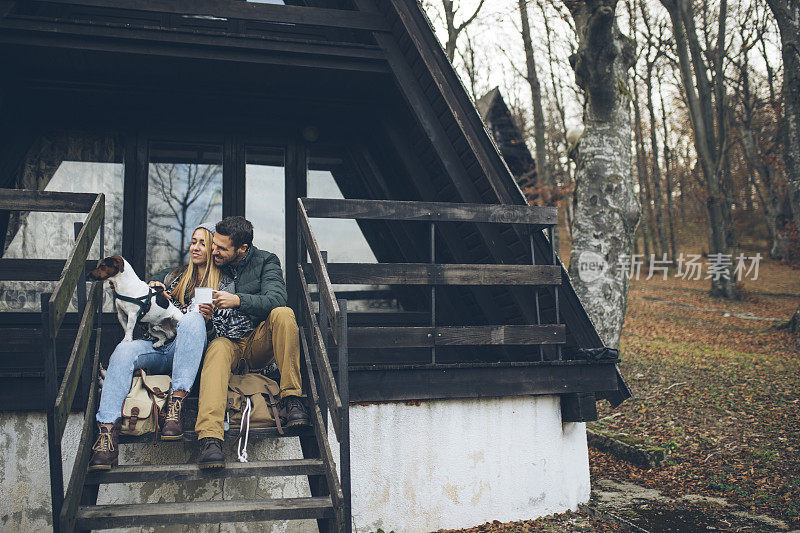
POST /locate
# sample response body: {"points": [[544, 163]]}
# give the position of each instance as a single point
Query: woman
{"points": [[180, 358]]}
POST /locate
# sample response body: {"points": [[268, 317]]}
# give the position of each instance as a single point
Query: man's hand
{"points": [[164, 287], [225, 300], [206, 310]]}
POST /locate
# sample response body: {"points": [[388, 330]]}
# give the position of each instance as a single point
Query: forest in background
{"points": [[706, 105]]}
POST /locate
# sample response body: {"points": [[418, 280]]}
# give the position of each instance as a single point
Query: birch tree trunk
{"points": [[607, 209], [787, 14]]}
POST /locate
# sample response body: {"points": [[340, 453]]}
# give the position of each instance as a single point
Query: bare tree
{"points": [[532, 78], [607, 209], [787, 15], [706, 103], [187, 197], [454, 29]]}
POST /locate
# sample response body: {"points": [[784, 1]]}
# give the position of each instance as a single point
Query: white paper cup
{"points": [[202, 295]]}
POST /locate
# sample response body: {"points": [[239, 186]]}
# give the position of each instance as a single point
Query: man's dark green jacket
{"points": [[258, 279]]}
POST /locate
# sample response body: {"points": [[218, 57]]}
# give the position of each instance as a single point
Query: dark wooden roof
{"points": [[508, 137]]}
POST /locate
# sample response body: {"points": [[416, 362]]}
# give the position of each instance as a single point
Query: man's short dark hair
{"points": [[238, 229]]}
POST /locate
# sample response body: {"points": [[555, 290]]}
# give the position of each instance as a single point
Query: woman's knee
{"points": [[192, 321], [126, 353]]}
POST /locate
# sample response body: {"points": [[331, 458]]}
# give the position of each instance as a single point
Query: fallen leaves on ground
{"points": [[721, 393]]}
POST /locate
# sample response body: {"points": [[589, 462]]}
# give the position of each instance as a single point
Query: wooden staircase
{"points": [[323, 328]]}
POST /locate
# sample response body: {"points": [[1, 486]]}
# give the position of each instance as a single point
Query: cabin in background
{"points": [[336, 126]]}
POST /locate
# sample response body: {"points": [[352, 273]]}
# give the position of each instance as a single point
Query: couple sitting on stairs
{"points": [[248, 321]]}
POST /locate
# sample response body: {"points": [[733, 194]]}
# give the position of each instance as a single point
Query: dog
{"points": [[136, 301]]}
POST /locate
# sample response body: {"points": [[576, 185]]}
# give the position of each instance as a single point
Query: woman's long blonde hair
{"points": [[187, 283]]}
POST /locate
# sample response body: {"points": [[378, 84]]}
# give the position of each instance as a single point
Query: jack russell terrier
{"points": [[133, 299]]}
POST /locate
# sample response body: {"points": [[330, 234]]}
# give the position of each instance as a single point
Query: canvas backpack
{"points": [[142, 407], [252, 404]]}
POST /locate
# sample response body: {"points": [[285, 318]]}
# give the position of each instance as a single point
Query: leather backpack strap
{"points": [[273, 406]]}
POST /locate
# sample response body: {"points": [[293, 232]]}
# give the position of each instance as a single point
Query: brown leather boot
{"points": [[106, 447], [173, 423]]}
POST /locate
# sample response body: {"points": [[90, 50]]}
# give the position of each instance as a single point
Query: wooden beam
{"points": [[540, 217], [75, 487], [442, 274], [433, 382], [236, 9], [187, 472], [69, 383], [321, 359], [62, 294], [327, 297], [320, 429], [36, 269], [191, 44], [426, 337], [48, 201]]}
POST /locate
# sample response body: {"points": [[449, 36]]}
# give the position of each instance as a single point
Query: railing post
{"points": [[323, 326], [81, 278], [433, 295], [557, 287], [51, 390], [536, 289], [344, 394]]}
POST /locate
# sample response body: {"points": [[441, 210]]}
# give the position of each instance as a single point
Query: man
{"points": [[253, 324]]}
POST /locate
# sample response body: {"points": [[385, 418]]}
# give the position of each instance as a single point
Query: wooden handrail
{"points": [[75, 487], [236, 9], [62, 294], [69, 383], [47, 201], [36, 269], [319, 427], [328, 382], [538, 217], [425, 337], [327, 297]]}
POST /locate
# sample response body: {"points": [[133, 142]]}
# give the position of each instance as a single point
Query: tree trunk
{"points": [[668, 175], [540, 149], [787, 14], [658, 195], [607, 209], [709, 142], [641, 174]]}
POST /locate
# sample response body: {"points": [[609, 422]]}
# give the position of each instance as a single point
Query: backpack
{"points": [[252, 403], [141, 409]]}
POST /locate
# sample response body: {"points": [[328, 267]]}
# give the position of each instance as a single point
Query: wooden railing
{"points": [[60, 394], [434, 274], [314, 335], [326, 330]]}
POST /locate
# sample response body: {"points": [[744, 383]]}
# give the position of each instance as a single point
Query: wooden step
{"points": [[185, 472], [205, 512], [231, 434]]}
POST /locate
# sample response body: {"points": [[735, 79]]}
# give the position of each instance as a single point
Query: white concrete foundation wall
{"points": [[415, 468], [461, 463]]}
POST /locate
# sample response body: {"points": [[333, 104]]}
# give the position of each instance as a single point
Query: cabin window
{"points": [[265, 202], [66, 162], [184, 190]]}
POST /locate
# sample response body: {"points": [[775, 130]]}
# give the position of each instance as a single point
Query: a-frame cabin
{"points": [[124, 122]]}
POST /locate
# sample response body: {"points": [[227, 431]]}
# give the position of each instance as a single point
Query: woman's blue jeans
{"points": [[181, 358]]}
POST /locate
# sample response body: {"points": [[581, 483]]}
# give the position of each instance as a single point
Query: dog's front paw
{"points": [[127, 339], [159, 343]]}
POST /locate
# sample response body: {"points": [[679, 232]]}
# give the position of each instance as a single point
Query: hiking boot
{"points": [[173, 421], [106, 447], [293, 412], [211, 455]]}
